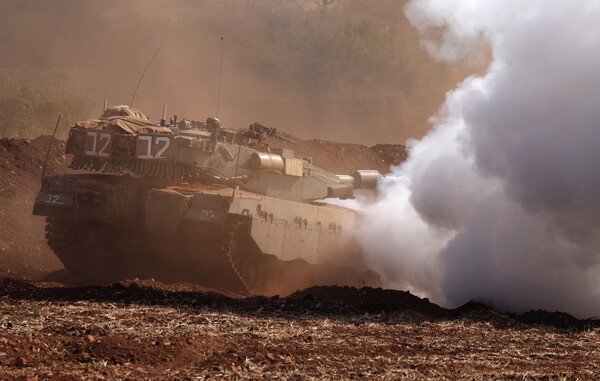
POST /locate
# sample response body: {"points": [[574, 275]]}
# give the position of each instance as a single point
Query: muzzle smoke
{"points": [[503, 202]]}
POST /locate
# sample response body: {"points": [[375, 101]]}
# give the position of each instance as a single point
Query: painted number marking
{"points": [[207, 214], [150, 143], [92, 141], [53, 199]]}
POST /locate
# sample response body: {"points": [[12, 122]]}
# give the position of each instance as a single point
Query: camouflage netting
{"points": [[123, 125]]}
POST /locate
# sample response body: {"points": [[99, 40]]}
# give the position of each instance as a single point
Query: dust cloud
{"points": [[345, 70], [503, 201]]}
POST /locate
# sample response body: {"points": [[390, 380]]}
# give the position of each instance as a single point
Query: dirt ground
{"points": [[144, 329]]}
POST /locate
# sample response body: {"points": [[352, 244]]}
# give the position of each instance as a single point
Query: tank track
{"points": [[61, 239], [212, 262], [96, 254], [89, 251], [232, 228]]}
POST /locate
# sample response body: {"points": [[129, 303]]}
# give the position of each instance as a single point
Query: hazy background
{"points": [[345, 70]]}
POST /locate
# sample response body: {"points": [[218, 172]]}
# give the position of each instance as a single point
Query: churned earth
{"points": [[146, 330], [143, 329]]}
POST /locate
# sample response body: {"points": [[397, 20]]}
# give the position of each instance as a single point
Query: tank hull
{"points": [[107, 227]]}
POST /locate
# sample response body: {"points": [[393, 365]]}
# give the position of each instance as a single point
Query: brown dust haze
{"points": [[345, 70]]}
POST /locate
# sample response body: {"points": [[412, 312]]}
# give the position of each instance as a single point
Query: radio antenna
{"points": [[220, 75], [146, 69], [50, 145], [235, 177]]}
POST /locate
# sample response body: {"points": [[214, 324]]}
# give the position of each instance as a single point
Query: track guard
{"points": [[202, 213]]}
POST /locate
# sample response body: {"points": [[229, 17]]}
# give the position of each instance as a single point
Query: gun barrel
{"points": [[366, 178], [369, 179], [392, 179]]}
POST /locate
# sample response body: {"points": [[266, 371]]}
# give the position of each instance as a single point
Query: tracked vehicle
{"points": [[192, 201]]}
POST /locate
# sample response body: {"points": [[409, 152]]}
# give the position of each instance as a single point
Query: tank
{"points": [[184, 200]]}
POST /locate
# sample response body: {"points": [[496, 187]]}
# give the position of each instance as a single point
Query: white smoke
{"points": [[503, 204]]}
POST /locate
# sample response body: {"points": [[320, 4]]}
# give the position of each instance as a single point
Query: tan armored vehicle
{"points": [[192, 201]]}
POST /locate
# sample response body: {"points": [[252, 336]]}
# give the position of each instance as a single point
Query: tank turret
{"points": [[207, 153]]}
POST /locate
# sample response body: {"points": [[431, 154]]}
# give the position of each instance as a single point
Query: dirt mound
{"points": [[25, 158], [366, 299], [556, 319], [391, 154], [23, 248], [127, 291], [323, 300]]}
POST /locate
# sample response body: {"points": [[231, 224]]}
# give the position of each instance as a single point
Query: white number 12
{"points": [[104, 137], [157, 141]]}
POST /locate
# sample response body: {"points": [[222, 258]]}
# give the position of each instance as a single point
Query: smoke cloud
{"points": [[503, 202]]}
